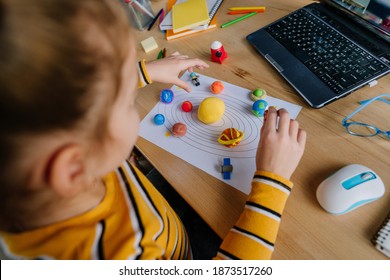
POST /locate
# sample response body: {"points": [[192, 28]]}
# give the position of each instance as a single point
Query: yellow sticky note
{"points": [[149, 44], [189, 14]]}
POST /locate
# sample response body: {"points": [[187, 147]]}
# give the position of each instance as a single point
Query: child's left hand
{"points": [[167, 70]]}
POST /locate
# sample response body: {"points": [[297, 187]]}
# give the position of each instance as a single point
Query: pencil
{"points": [[155, 19], [247, 8], [238, 19], [244, 12]]}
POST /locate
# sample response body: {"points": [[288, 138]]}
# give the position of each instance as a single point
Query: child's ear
{"points": [[66, 171]]}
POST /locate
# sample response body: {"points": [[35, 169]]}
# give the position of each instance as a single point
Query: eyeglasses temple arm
{"points": [[379, 97], [364, 103], [357, 110]]}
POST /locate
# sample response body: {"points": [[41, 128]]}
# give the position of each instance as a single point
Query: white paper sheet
{"points": [[199, 146]]}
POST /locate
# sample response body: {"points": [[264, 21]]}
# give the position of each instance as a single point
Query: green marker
{"points": [[238, 19], [160, 54]]}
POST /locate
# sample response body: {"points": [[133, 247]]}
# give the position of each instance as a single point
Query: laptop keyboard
{"points": [[337, 61]]}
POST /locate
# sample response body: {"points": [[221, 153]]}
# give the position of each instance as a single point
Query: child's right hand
{"points": [[167, 70], [281, 147]]}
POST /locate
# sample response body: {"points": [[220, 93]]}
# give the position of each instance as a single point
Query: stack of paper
{"points": [[212, 8], [169, 35], [189, 14]]}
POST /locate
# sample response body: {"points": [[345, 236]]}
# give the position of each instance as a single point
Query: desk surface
{"points": [[306, 231]]}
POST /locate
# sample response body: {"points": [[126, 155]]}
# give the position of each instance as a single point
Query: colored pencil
{"points": [[237, 19], [247, 8], [244, 12], [160, 54], [162, 15], [155, 19]]}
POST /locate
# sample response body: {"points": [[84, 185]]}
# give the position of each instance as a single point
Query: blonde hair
{"points": [[49, 64]]}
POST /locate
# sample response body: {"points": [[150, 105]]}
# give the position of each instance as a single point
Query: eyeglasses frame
{"points": [[364, 104]]}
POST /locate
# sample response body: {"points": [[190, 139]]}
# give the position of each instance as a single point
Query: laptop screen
{"points": [[375, 12]]}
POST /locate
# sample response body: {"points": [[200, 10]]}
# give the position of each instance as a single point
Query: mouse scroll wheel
{"points": [[357, 180], [367, 176]]}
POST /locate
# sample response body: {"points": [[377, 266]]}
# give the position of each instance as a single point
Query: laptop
{"points": [[327, 50]]}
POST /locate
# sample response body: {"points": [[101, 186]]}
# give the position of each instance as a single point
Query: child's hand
{"points": [[167, 70], [280, 148]]}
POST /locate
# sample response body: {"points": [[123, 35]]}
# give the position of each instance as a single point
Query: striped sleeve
{"points": [[159, 231], [132, 221], [254, 234], [143, 77]]}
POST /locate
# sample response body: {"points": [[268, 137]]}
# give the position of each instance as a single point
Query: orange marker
{"points": [[245, 12]]}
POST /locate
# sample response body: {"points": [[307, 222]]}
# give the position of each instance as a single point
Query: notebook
{"points": [[212, 7], [329, 49], [381, 239], [169, 35], [189, 14]]}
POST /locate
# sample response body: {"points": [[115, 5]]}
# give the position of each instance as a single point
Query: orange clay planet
{"points": [[217, 87], [179, 129], [230, 137]]}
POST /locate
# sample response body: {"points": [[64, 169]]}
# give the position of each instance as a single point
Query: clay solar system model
{"points": [[211, 110], [218, 53], [230, 137], [186, 106], [259, 108], [159, 119], [217, 87], [179, 129], [258, 94], [166, 96]]}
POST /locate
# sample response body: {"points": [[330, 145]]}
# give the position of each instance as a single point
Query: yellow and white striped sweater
{"points": [[134, 221]]}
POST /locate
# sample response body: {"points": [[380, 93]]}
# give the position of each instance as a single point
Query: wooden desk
{"points": [[306, 231]]}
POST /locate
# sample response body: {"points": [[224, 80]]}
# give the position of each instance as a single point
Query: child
{"points": [[68, 119]]}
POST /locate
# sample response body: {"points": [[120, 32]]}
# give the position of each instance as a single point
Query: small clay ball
{"points": [[258, 94], [259, 107], [211, 110], [179, 129], [166, 96], [159, 119], [217, 87], [186, 106]]}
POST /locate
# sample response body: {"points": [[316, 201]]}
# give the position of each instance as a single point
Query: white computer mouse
{"points": [[350, 187]]}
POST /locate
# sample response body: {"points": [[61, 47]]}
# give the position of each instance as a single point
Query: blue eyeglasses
{"points": [[363, 129]]}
